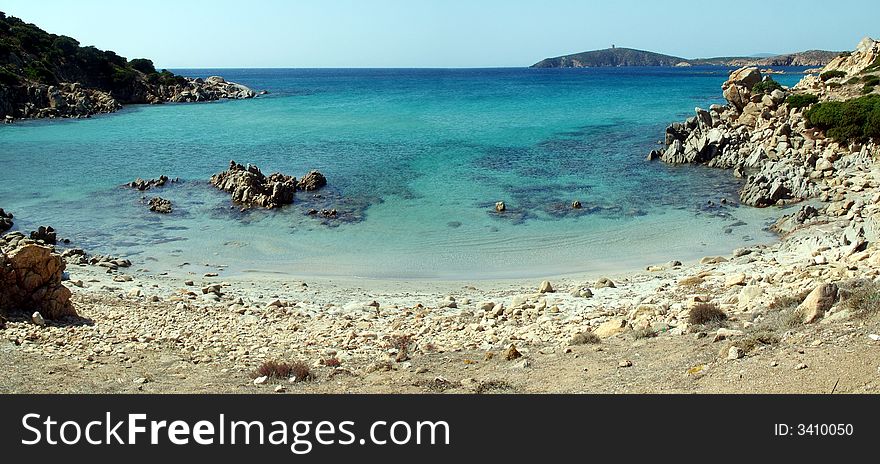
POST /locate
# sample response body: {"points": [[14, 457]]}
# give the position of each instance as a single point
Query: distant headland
{"points": [[621, 57]]}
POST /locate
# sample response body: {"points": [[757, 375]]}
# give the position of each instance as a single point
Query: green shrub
{"points": [[826, 76], [802, 100], [766, 86], [871, 80], [848, 121], [867, 89], [143, 65]]}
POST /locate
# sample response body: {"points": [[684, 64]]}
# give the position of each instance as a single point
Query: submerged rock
{"points": [[30, 280]]}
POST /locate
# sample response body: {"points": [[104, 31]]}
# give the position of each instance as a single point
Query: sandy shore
{"points": [[200, 332]]}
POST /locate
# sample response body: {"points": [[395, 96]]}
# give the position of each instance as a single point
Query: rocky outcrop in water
{"points": [[45, 234], [160, 205], [5, 220], [143, 185], [30, 280], [198, 90], [312, 181], [767, 141], [249, 187], [758, 136]]}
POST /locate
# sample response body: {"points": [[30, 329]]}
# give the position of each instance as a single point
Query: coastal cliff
{"points": [[44, 75], [767, 136], [620, 57]]}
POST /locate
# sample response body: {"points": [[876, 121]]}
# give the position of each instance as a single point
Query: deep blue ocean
{"points": [[416, 160]]}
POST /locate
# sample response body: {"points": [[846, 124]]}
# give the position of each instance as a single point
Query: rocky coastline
{"points": [[796, 316], [72, 100]]}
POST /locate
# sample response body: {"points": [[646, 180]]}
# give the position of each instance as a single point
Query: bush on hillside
{"points": [[766, 86], [848, 121], [826, 76], [802, 100], [143, 65]]}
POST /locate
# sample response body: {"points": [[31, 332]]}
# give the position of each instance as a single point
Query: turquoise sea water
{"points": [[416, 160]]}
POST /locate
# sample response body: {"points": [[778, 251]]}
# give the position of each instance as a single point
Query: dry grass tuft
{"points": [[862, 298], [282, 370], [706, 313], [585, 338]]}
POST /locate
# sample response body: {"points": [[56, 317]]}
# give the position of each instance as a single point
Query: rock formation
{"points": [[5, 220], [30, 280], [758, 136], [249, 187]]}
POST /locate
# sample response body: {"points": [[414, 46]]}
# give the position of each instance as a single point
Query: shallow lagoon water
{"points": [[416, 160]]}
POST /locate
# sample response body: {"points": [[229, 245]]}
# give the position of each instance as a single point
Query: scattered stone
{"points": [[37, 319], [261, 380], [500, 207], [625, 363], [605, 282], [512, 353], [800, 367], [735, 353], [735, 280], [546, 287]]}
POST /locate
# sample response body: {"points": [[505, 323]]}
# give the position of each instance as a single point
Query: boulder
{"points": [[738, 87], [30, 280], [611, 328], [820, 300]]}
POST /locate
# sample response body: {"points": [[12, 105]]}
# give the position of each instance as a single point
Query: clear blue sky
{"points": [[438, 33]]}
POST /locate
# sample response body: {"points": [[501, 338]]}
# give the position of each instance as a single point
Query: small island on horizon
{"points": [[625, 57]]}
